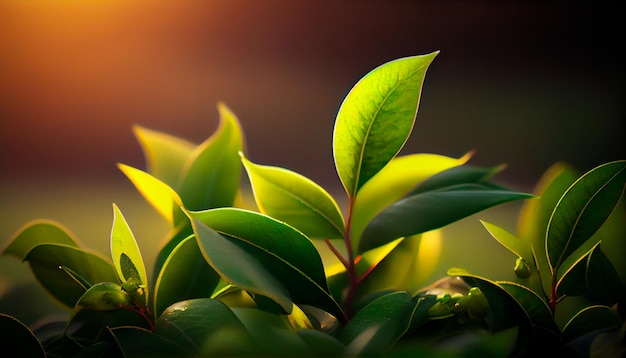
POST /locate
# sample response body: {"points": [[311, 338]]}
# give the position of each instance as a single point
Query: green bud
{"points": [[522, 269]]}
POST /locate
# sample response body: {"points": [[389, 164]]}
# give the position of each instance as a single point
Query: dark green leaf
{"points": [[432, 210], [582, 210], [45, 261], [379, 325], [105, 296], [537, 309], [35, 233], [590, 319], [281, 250], [18, 340], [463, 174], [139, 342], [376, 118], [321, 344], [212, 172], [185, 275]]}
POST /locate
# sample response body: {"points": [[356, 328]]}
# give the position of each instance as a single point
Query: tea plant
{"points": [[239, 278]]}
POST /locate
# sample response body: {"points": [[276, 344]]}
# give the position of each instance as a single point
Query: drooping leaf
{"points": [[45, 261], [590, 319], [212, 173], [105, 296], [184, 275], [392, 183], [165, 154], [295, 199], [140, 342], [376, 119], [35, 233], [18, 340], [282, 250], [379, 325], [192, 323], [432, 210], [161, 196], [237, 266], [582, 210], [127, 258]]}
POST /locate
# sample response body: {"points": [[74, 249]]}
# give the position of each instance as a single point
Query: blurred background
{"points": [[522, 83]]}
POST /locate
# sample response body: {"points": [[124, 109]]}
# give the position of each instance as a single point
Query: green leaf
{"points": [[45, 261], [392, 183], [286, 254], [295, 199], [237, 266], [165, 154], [535, 307], [590, 319], [192, 323], [511, 242], [321, 344], [184, 275], [212, 173], [160, 195], [127, 257], [376, 119], [140, 342], [379, 325], [18, 340], [432, 210], [464, 174], [581, 211], [38, 232], [534, 216], [105, 296]]}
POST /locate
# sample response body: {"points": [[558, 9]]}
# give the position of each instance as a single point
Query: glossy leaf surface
{"points": [[432, 210], [581, 211], [45, 261], [165, 154], [237, 266], [379, 325], [184, 275], [376, 118], [127, 258], [392, 183], [295, 199], [283, 251], [212, 172], [38, 232]]}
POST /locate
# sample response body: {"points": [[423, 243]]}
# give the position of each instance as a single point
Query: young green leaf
{"points": [[46, 260], [283, 251], [165, 154], [511, 242], [127, 257], [376, 119], [35, 233], [392, 183], [184, 275], [295, 199], [160, 195], [212, 173], [432, 210], [582, 210], [235, 265]]}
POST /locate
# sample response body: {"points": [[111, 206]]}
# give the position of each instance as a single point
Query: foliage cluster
{"points": [[240, 278]]}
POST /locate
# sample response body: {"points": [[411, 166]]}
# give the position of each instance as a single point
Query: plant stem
{"points": [[349, 262]]}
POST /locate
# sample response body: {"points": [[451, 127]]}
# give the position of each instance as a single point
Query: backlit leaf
{"points": [[35, 233], [45, 261], [127, 257], [392, 183], [432, 210], [184, 275], [212, 173], [295, 199], [582, 210], [376, 119], [165, 154], [511, 242]]}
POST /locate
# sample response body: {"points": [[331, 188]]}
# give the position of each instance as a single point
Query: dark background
{"points": [[522, 83]]}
